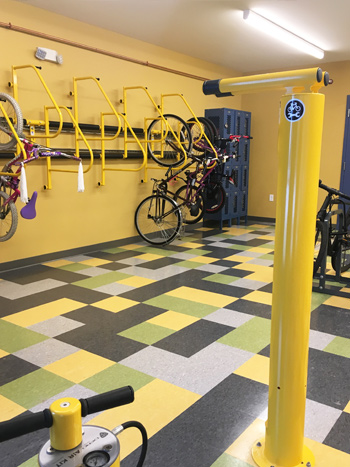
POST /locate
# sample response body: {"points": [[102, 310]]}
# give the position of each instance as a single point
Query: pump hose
{"points": [[134, 424]]}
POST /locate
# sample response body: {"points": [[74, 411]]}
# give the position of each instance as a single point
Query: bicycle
{"points": [[159, 217], [333, 239], [72, 444], [13, 183]]}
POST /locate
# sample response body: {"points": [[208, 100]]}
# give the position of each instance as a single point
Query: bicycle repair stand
{"points": [[299, 151], [322, 277]]}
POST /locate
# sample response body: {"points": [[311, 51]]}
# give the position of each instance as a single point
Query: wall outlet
{"points": [[271, 197]]}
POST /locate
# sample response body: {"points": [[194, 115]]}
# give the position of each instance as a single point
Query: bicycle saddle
{"points": [[28, 211]]}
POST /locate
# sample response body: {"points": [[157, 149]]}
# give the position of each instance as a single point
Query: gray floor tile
{"points": [[93, 271], [319, 340], [114, 288], [248, 284], [13, 291], [46, 352], [229, 317], [55, 326]]}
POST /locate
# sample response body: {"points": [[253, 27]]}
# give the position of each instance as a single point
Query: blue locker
{"points": [[233, 122]]}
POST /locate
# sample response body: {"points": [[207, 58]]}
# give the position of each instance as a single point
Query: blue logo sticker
{"points": [[294, 110]]}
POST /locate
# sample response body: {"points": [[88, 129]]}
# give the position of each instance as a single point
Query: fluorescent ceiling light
{"points": [[281, 34]]}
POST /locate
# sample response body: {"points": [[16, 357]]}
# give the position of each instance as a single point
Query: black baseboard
{"points": [[268, 220]]}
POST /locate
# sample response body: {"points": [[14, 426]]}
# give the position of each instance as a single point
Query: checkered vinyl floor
{"points": [[188, 326]]}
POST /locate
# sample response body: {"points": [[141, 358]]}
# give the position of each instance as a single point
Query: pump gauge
{"points": [[96, 459]]}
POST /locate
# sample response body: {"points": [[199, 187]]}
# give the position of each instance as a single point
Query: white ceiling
{"points": [[214, 30]]}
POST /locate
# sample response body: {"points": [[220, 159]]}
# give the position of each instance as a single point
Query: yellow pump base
{"points": [[258, 453]]}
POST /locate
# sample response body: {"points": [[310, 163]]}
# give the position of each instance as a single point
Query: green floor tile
{"points": [[15, 337], [225, 460], [317, 299], [75, 267], [157, 251], [181, 305], [253, 336], [268, 256], [267, 245], [146, 333], [103, 279], [32, 462], [114, 250], [339, 346], [221, 278], [115, 377], [34, 388], [239, 247], [197, 252], [189, 264]]}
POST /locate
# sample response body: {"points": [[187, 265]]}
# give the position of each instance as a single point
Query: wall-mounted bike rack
{"points": [[123, 127], [33, 124]]}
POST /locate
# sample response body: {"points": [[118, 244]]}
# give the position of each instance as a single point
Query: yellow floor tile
{"points": [[94, 262], [191, 245], [204, 229], [252, 267], [155, 405], [267, 237], [136, 281], [261, 276], [259, 297], [201, 296], [340, 302], [44, 312], [345, 289], [149, 257], [203, 259], [325, 456], [257, 368], [258, 249], [115, 304], [3, 353], [173, 320], [347, 408], [9, 409], [237, 231], [79, 366], [238, 259], [132, 246], [59, 263]]}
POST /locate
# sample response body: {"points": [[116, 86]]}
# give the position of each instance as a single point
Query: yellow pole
{"points": [[299, 149]]}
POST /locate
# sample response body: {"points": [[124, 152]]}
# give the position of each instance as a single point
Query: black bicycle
{"points": [[333, 238]]}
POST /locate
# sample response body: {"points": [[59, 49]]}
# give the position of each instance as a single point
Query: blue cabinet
{"points": [[233, 122]]}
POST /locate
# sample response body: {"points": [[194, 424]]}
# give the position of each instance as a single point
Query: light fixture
{"points": [[281, 34]]}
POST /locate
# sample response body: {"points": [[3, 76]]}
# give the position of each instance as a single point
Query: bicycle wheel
{"points": [[168, 141], [341, 254], [215, 197], [200, 144], [158, 219], [8, 218], [13, 111], [320, 244], [191, 203]]}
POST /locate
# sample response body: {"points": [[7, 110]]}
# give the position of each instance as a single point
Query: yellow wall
{"points": [[67, 219], [265, 115]]}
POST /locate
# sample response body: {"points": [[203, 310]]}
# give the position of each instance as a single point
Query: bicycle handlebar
{"points": [[333, 191], [29, 423]]}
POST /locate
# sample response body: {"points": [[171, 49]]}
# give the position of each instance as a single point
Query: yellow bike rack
{"points": [[299, 149], [122, 124]]}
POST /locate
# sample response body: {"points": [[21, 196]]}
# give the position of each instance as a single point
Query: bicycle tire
{"points": [[320, 244], [200, 144], [191, 215], [158, 219], [162, 145], [12, 109], [8, 218], [339, 247], [215, 197]]}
